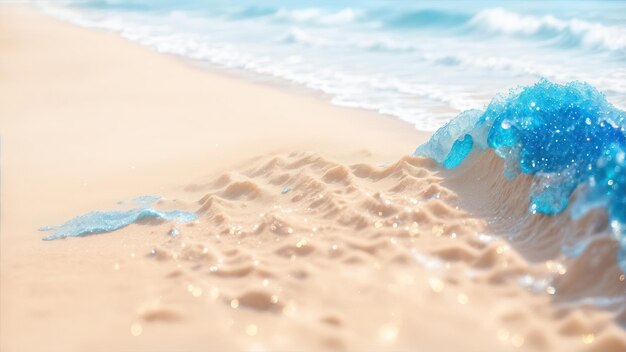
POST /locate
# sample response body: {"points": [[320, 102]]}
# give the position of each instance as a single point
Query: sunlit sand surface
{"points": [[315, 229]]}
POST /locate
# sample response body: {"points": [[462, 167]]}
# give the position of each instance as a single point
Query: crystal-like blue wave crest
{"points": [[569, 137]]}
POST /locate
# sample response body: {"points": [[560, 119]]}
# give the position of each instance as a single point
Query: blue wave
{"points": [[488, 22], [573, 33], [563, 33], [421, 62], [569, 137], [427, 18], [254, 12]]}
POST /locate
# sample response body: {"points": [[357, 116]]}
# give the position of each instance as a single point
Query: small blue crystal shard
{"points": [[567, 136], [107, 221], [440, 146], [459, 151]]}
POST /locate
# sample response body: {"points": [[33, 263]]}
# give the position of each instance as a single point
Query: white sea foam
{"points": [[317, 16], [297, 35], [573, 32], [423, 66]]}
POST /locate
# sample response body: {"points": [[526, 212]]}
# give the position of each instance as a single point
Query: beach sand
{"points": [[316, 230]]}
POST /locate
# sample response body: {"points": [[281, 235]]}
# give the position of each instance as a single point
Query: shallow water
{"points": [[423, 62]]}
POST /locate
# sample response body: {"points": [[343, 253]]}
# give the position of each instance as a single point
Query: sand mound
{"points": [[332, 256], [584, 246]]}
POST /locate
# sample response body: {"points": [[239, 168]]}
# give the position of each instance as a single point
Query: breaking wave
{"points": [[569, 138]]}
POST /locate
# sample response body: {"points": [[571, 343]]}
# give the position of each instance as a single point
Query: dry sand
{"points": [[315, 231]]}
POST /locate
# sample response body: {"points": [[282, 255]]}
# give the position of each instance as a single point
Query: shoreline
{"points": [[85, 125], [251, 77], [316, 230], [350, 116]]}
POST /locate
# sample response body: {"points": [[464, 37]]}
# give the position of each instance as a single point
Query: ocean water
{"points": [[424, 62], [568, 137]]}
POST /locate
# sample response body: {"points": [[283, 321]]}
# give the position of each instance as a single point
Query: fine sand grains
{"points": [[302, 252], [324, 250]]}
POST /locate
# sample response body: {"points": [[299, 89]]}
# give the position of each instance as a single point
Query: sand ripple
{"points": [[355, 256]]}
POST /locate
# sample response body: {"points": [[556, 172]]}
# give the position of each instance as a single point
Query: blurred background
{"points": [[423, 62]]}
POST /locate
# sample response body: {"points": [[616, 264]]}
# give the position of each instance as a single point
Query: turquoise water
{"points": [[567, 136], [424, 62]]}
